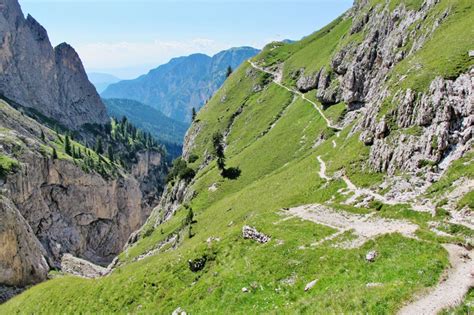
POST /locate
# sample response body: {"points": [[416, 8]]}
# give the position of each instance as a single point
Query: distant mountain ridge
{"points": [[181, 84], [102, 80], [166, 130]]}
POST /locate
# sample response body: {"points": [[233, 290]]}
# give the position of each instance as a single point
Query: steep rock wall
{"points": [[51, 81], [62, 207]]}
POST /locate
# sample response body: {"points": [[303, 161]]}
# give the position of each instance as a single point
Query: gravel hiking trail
{"points": [[277, 78], [452, 288]]}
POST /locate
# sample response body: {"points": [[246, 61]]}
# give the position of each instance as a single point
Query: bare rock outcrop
{"points": [[307, 83], [443, 120], [22, 259], [420, 129], [249, 232], [51, 81], [81, 267], [59, 206], [358, 70], [172, 198]]}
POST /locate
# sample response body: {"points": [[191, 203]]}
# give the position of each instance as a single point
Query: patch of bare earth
{"points": [[363, 226]]}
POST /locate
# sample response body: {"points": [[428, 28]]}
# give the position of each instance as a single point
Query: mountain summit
{"points": [[51, 81]]}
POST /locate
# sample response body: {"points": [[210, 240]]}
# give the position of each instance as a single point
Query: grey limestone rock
{"points": [[252, 233], [50, 80]]}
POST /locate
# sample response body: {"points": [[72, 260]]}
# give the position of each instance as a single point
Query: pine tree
{"points": [[229, 71], [99, 146], [193, 114], [55, 154], [43, 137], [67, 145], [110, 153], [124, 120], [217, 140], [190, 216]]}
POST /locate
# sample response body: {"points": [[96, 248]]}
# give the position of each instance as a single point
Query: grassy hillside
{"points": [[278, 140]]}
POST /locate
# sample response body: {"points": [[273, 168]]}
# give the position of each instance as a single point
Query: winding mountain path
{"points": [[451, 290], [322, 170], [277, 80], [448, 293], [459, 278]]}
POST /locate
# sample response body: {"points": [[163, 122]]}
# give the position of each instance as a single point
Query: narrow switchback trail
{"points": [[451, 289], [322, 170], [351, 187], [277, 80]]}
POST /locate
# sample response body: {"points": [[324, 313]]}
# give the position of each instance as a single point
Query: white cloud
{"points": [[133, 54]]}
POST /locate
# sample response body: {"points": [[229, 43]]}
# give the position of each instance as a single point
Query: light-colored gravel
{"points": [[364, 226], [452, 288]]}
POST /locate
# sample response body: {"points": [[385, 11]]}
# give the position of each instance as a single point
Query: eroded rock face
{"points": [[443, 120], [358, 70], [420, 129], [307, 83], [149, 173], [62, 208], [52, 81], [172, 199], [71, 211], [22, 259]]}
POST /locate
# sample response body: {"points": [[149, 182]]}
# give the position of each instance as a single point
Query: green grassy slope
{"points": [[271, 138]]}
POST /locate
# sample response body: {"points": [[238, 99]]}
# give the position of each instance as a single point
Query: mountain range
{"points": [[102, 80], [181, 84]]}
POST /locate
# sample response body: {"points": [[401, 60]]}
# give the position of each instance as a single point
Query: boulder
{"points": [[371, 256], [310, 285], [80, 267], [252, 233], [197, 264]]}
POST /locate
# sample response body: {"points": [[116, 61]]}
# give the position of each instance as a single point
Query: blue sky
{"points": [[128, 37]]}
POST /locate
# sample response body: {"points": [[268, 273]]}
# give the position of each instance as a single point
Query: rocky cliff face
{"points": [[149, 172], [51, 81], [22, 259], [51, 207], [442, 120], [406, 129], [75, 212]]}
